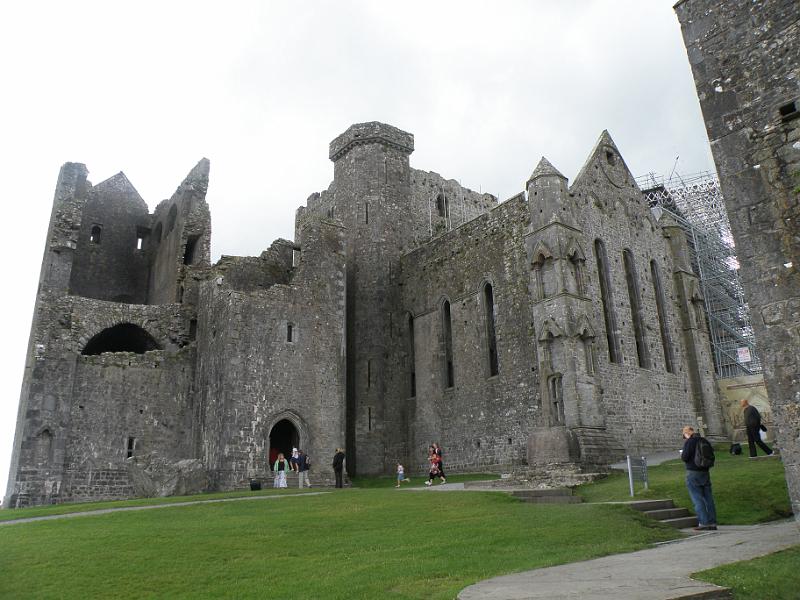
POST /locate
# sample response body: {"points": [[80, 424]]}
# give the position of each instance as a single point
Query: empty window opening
{"points": [[366, 212], [611, 159], [289, 332], [661, 309], [192, 329], [124, 337], [441, 205], [789, 111], [447, 330], [171, 218], [369, 418], [556, 399], [412, 371], [190, 253], [491, 339], [142, 234], [180, 294], [607, 299], [642, 351], [369, 374], [131, 446], [94, 236], [331, 212], [588, 353]]}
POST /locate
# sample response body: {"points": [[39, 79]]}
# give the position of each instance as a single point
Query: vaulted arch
{"points": [[123, 337]]}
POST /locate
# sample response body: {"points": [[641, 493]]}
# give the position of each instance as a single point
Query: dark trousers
{"points": [[338, 473], [753, 438]]}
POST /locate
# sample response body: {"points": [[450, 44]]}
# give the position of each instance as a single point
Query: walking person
{"points": [[433, 469], [438, 451], [338, 467], [401, 475], [698, 482], [303, 465], [752, 422], [280, 468]]}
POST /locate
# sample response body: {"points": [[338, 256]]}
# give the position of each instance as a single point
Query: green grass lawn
{"points": [[418, 480], [773, 576], [358, 543], [745, 491], [61, 509]]}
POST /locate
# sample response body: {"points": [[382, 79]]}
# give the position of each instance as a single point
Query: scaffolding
{"points": [[696, 203]]}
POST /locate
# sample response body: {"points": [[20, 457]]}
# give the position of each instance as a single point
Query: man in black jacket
{"points": [[698, 482], [752, 422], [338, 466]]}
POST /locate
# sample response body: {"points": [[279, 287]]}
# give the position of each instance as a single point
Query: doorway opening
{"points": [[283, 437]]}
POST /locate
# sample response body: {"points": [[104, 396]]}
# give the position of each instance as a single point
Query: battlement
{"points": [[372, 132]]}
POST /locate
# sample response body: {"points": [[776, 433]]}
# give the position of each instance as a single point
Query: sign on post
{"points": [[637, 471]]}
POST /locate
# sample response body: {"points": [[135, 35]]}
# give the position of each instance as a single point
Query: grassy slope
{"points": [[350, 544], [774, 576], [745, 491]]}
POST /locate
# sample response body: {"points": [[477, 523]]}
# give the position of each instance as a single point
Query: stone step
{"points": [[542, 493], [722, 593], [667, 513], [681, 522], [551, 499], [645, 505]]}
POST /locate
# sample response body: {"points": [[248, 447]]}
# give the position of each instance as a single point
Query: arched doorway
{"points": [[282, 438]]}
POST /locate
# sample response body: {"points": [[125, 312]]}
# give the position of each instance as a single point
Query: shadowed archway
{"points": [[282, 438]]}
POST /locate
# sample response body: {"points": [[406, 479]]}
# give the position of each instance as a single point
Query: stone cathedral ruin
{"points": [[563, 326]]}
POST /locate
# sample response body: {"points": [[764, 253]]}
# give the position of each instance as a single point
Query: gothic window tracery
{"points": [[607, 300], [634, 296]]}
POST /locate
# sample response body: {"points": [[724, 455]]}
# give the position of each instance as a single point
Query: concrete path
{"points": [[105, 511], [660, 573], [653, 459]]}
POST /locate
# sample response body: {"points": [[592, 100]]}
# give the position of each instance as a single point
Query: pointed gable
{"points": [[119, 188], [545, 167], [606, 157]]}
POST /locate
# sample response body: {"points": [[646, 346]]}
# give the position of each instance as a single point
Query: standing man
{"points": [[303, 464], [698, 482], [752, 422], [338, 466]]}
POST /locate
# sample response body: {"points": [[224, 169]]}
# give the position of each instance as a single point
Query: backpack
{"points": [[703, 454], [736, 449]]}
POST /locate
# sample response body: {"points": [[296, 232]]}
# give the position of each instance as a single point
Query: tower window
{"points": [[447, 330], [491, 339], [131, 447], [412, 375], [289, 332], [94, 236], [789, 111]]}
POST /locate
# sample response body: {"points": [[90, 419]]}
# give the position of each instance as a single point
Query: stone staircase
{"points": [[666, 512]]}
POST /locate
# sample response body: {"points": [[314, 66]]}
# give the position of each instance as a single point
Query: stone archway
{"points": [[283, 436]]}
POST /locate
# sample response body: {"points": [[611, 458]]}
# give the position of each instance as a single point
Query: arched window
{"points": [[290, 332], [43, 448], [491, 340], [441, 205], [447, 333], [587, 341], [124, 337], [635, 298], [171, 217], [607, 299], [661, 308], [575, 268], [556, 391], [94, 236], [412, 364], [544, 274]]}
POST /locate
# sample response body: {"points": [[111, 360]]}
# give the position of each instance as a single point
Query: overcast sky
{"points": [[262, 87]]}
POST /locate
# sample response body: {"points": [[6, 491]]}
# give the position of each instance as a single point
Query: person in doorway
{"points": [[438, 451], [752, 422], [698, 482], [338, 467], [294, 461], [303, 464], [280, 468]]}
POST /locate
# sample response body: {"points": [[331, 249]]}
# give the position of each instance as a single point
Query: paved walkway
{"points": [[105, 511], [660, 573]]}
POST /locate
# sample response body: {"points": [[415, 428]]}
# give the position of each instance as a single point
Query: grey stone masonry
{"points": [[744, 57], [522, 335]]}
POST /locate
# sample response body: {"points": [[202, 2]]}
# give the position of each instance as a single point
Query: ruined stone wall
{"points": [[181, 235], [483, 420], [107, 263], [251, 375], [744, 60], [645, 405]]}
